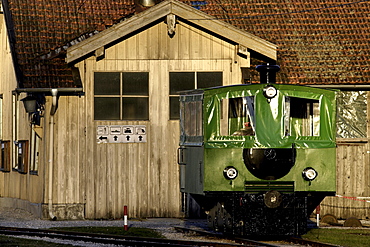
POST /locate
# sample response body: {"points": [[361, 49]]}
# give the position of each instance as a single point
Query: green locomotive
{"points": [[258, 158]]}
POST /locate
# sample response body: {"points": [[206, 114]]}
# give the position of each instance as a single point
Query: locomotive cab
{"points": [[258, 158]]}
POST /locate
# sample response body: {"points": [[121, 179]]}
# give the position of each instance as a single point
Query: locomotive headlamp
{"points": [[309, 174], [269, 92], [230, 172]]}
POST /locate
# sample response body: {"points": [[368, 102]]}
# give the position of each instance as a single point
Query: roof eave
{"points": [[343, 87]]}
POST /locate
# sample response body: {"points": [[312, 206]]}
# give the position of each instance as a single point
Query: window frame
{"points": [[237, 116], [174, 96], [35, 153], [310, 125], [122, 96], [22, 156], [5, 156]]}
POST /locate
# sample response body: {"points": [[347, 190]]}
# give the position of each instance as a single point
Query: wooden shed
{"points": [[157, 48], [80, 155], [116, 144]]}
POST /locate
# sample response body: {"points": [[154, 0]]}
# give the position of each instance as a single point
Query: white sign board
{"points": [[121, 133]]}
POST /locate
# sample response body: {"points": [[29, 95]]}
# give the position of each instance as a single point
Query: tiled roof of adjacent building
{"points": [[319, 42]]}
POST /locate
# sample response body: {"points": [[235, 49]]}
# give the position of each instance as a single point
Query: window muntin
{"points": [[121, 95], [302, 117], [182, 81]]}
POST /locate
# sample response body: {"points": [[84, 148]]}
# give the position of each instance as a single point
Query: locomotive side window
{"points": [[193, 118], [237, 116], [302, 117], [191, 124]]}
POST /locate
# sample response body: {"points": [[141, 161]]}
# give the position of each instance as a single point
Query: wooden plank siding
{"points": [[353, 182], [102, 178], [12, 183], [353, 178], [143, 176]]}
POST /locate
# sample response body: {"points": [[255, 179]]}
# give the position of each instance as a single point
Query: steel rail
{"points": [[107, 238], [250, 242], [244, 241], [309, 242]]}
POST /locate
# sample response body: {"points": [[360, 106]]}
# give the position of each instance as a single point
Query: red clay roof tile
{"points": [[320, 42]]}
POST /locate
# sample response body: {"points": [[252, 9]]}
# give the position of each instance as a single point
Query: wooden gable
{"points": [[171, 11]]}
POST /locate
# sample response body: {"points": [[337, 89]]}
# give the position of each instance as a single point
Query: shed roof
{"points": [[319, 42]]}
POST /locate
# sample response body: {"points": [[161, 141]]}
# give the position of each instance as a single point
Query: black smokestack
{"points": [[268, 73]]}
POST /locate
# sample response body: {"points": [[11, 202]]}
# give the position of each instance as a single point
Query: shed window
{"points": [[121, 95], [5, 156], [22, 156], [182, 81], [35, 153]]}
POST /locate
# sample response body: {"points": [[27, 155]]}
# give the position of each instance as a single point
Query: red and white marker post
{"points": [[318, 215], [125, 226]]}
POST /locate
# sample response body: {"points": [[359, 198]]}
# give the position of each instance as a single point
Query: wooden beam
{"points": [[100, 52]]}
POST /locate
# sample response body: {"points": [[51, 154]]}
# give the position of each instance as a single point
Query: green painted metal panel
{"points": [[215, 151], [269, 121], [322, 160]]}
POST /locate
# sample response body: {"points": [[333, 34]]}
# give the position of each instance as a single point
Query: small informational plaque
{"points": [[121, 133]]}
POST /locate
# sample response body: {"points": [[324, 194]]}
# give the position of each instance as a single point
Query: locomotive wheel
{"points": [[219, 219]]}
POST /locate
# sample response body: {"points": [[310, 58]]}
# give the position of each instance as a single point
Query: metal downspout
{"points": [[54, 93]]}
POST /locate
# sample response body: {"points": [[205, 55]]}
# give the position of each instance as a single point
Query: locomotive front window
{"points": [[237, 117], [302, 117]]}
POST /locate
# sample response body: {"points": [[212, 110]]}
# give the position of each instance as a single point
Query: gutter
{"points": [[53, 109], [354, 87], [48, 91], [54, 92]]}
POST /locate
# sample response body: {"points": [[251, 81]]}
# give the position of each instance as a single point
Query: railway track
{"points": [[249, 242], [115, 239]]}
